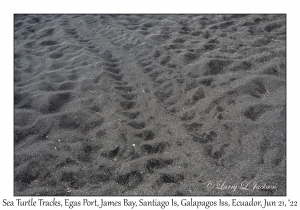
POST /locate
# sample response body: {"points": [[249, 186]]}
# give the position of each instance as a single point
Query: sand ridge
{"points": [[149, 104]]}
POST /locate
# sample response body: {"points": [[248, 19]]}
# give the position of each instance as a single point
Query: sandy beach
{"points": [[175, 105]]}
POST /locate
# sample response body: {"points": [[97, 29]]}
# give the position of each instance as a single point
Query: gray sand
{"points": [[149, 104]]}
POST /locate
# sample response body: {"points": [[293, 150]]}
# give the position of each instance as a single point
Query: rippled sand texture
{"points": [[149, 104]]}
